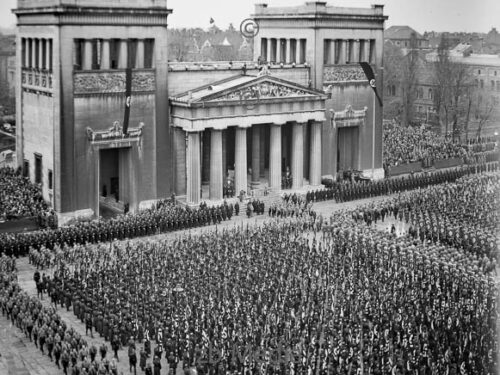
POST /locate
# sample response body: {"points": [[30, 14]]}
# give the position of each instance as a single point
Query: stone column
{"points": [[27, 46], [33, 53], [48, 52], [355, 51], [333, 45], [180, 160], [342, 51], [297, 155], [41, 50], [34, 62], [268, 52], [105, 56], [224, 156], [297, 51], [275, 157], [255, 155], [240, 160], [216, 164], [87, 55], [139, 54], [288, 52], [262, 159], [315, 154], [278, 50], [123, 54], [193, 168]]}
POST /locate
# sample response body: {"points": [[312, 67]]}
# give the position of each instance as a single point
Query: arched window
{"points": [[429, 94]]}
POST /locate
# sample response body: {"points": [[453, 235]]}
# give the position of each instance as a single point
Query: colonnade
{"points": [[37, 53], [104, 54], [299, 148], [346, 51], [283, 50]]}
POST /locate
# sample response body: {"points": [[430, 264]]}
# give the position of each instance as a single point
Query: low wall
{"points": [[406, 168], [447, 163]]}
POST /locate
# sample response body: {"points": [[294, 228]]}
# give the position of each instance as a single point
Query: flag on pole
{"points": [[370, 76], [128, 98]]}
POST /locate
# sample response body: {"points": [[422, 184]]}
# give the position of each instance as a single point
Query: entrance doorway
{"points": [[347, 149], [109, 174]]}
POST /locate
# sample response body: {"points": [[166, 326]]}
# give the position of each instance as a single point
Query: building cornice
{"points": [[63, 15]]}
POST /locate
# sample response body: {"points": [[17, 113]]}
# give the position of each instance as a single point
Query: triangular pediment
{"points": [[244, 87]]}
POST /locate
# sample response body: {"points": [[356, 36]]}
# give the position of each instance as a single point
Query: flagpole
{"points": [[373, 138]]}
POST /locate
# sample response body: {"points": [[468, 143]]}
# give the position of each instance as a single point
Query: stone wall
{"points": [[38, 120]]}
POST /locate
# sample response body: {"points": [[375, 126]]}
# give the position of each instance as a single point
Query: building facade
{"points": [[193, 127]]}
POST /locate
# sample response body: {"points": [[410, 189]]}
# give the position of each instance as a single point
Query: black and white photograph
{"points": [[249, 187]]}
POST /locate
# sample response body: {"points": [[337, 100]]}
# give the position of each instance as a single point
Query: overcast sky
{"points": [[422, 15]]}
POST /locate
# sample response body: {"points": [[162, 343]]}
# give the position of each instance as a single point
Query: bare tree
{"points": [[409, 80]]}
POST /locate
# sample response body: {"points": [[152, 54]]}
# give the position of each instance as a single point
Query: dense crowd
{"points": [[18, 196], [165, 216], [288, 297], [49, 333], [345, 190], [463, 217], [410, 144]]}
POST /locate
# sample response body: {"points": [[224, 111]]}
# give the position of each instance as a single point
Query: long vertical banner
{"points": [[128, 98], [370, 76]]}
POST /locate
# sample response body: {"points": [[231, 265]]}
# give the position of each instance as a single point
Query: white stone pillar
{"points": [[297, 155], [297, 51], [27, 46], [87, 55], [105, 56], [268, 53], [333, 45], [240, 160], [216, 181], [278, 50], [275, 157], [33, 53], [315, 154], [288, 52], [342, 51], [193, 168], [48, 52], [139, 54], [255, 155], [123, 54], [355, 51]]}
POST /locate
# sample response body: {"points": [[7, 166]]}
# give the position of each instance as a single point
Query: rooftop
{"points": [[26, 4], [472, 59], [316, 8], [401, 32]]}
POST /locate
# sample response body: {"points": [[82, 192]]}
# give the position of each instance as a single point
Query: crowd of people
{"points": [[165, 216], [345, 190], [411, 144], [463, 217], [69, 351], [18, 196], [287, 298]]}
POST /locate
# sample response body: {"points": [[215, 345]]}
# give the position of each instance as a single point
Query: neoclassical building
{"points": [[303, 108]]}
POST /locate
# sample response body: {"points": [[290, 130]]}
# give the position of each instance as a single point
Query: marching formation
{"points": [[164, 217]]}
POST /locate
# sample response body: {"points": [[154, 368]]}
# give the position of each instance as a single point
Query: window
{"points": [[498, 85], [50, 177], [476, 82], [479, 71], [495, 73], [26, 168], [493, 85], [481, 84], [429, 94], [38, 169], [420, 93]]}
